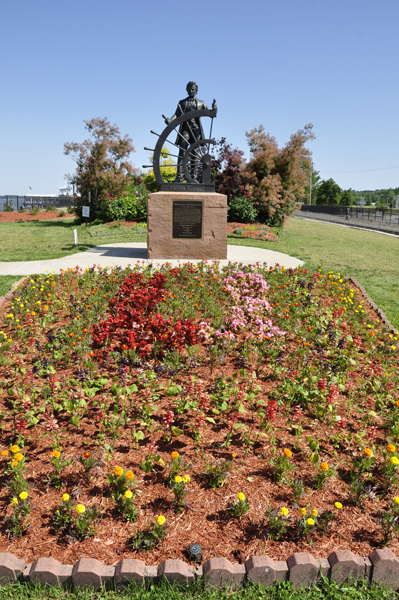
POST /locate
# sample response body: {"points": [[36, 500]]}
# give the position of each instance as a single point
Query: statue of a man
{"points": [[190, 131]]}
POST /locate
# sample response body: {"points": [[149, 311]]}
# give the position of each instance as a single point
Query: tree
{"points": [[329, 192], [347, 198], [102, 164], [277, 178], [168, 172], [227, 164]]}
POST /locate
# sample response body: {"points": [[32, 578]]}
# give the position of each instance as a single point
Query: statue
{"points": [[191, 130], [193, 158]]}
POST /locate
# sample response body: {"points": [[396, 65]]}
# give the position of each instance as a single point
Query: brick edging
{"points": [[373, 305], [301, 568], [8, 295]]}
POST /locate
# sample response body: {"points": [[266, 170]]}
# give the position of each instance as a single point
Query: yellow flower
{"points": [[186, 478], [391, 448], [324, 466], [14, 463], [128, 494], [241, 497], [80, 509], [14, 449], [161, 520], [55, 454], [14, 501], [284, 511], [396, 499], [65, 497], [4, 453], [178, 479], [303, 511], [314, 512], [310, 521], [394, 460], [287, 452], [129, 475], [234, 455], [23, 495], [175, 454], [18, 457], [368, 452], [118, 471], [338, 505]]}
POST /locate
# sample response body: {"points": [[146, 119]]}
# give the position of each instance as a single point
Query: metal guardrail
{"points": [[377, 219]]}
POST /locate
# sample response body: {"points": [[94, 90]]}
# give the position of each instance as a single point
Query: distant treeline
{"points": [[329, 192]]}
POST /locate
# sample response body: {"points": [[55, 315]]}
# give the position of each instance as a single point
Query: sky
{"points": [[280, 63]]}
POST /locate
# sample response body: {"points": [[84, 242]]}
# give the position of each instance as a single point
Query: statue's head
{"points": [[191, 85]]}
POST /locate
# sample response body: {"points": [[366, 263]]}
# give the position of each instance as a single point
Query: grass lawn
{"points": [[165, 591], [370, 257], [38, 240]]}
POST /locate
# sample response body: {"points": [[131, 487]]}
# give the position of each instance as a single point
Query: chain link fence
{"points": [[28, 202], [365, 217]]}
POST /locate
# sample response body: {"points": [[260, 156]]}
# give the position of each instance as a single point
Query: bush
{"points": [[241, 210], [35, 210], [127, 208], [8, 205], [50, 207]]}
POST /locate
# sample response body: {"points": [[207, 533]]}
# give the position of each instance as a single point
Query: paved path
{"points": [[131, 252]]}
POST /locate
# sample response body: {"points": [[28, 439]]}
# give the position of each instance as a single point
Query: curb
{"points": [[8, 296], [373, 305], [301, 568]]}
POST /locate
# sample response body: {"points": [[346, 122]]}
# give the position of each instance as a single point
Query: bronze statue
{"points": [[191, 130], [193, 160]]}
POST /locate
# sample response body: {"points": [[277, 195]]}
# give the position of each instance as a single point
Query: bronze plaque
{"points": [[187, 219]]}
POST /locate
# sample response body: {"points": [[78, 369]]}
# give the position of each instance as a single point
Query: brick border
{"points": [[301, 568]]}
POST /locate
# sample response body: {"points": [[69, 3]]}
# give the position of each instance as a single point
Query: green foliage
{"points": [[328, 192], [168, 173], [241, 210], [276, 523], [127, 208], [347, 198], [148, 538], [102, 164]]}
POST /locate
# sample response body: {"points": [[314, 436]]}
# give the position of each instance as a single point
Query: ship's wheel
{"points": [[195, 165]]}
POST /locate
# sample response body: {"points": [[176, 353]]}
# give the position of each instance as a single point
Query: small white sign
{"points": [[85, 211], [75, 233], [362, 201]]}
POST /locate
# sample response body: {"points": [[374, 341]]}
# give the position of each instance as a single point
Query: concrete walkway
{"points": [[130, 253]]}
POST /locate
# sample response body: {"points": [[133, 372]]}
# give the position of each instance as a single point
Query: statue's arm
{"points": [[173, 117]]}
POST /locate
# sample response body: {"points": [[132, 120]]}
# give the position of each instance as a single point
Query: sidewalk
{"points": [[130, 253]]}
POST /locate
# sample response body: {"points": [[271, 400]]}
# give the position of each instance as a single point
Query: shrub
{"points": [[50, 207], [241, 210], [35, 210], [126, 208]]}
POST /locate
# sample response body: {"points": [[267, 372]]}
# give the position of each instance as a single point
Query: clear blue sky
{"points": [[280, 63]]}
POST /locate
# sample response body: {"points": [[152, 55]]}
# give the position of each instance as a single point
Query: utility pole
{"points": [[310, 186]]}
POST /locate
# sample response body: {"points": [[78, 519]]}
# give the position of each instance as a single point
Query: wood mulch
{"points": [[42, 215], [256, 231], [205, 519]]}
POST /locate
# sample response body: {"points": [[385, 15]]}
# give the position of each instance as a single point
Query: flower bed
{"points": [[247, 410]]}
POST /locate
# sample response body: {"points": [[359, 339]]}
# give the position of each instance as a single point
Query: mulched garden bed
{"points": [[287, 367], [256, 231], [42, 215]]}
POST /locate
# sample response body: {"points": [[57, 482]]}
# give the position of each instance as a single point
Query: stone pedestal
{"points": [[187, 225]]}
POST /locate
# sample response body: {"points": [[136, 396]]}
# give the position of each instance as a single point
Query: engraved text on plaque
{"points": [[187, 219]]}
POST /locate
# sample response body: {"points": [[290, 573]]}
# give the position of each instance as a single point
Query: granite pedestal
{"points": [[187, 225]]}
